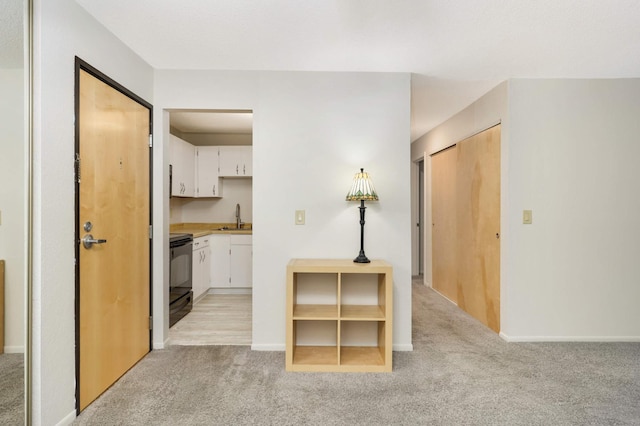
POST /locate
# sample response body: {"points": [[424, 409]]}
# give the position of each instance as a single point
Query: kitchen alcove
{"points": [[214, 200]]}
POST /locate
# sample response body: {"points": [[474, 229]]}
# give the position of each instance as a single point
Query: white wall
{"points": [[312, 132], [12, 205], [574, 273], [62, 31], [569, 153]]}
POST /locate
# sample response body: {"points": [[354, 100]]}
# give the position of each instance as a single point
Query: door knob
{"points": [[88, 241]]}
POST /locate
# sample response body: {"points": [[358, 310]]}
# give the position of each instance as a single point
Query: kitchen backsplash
{"points": [[206, 210]]}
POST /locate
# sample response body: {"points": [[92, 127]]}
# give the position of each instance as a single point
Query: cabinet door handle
{"points": [[236, 169], [214, 190], [244, 169]]}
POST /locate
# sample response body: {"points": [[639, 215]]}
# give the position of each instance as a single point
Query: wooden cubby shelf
{"points": [[339, 315]]}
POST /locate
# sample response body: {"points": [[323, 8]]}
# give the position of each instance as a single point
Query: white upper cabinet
{"points": [[208, 183], [197, 170], [182, 160], [235, 161]]}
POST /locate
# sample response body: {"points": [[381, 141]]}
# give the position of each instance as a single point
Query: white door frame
{"points": [[415, 213]]}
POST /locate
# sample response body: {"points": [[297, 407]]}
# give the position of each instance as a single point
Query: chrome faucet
{"points": [[239, 223]]}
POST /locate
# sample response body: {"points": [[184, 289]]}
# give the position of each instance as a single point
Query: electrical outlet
{"points": [[299, 217]]}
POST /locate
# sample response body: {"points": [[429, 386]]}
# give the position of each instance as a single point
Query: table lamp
{"points": [[362, 190]]}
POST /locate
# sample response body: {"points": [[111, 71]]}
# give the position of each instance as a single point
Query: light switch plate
{"points": [[527, 217], [299, 217]]}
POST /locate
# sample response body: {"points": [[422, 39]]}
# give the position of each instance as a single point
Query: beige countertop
{"points": [[202, 229]]}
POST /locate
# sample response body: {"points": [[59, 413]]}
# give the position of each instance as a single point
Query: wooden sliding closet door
{"points": [[465, 203], [443, 215], [478, 226]]}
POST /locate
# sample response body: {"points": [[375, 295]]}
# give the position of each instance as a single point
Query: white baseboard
{"points": [[14, 349], [161, 345], [405, 347], [267, 347], [223, 290], [68, 419], [593, 339]]}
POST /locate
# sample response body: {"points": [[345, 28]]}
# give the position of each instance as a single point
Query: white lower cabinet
{"points": [[220, 246], [201, 266], [241, 261], [231, 261]]}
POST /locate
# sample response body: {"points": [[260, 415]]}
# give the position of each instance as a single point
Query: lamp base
{"points": [[361, 258]]}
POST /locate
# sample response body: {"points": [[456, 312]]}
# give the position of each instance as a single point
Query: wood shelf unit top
{"points": [[338, 266]]}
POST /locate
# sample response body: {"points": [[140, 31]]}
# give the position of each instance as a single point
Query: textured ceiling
{"points": [[457, 49]]}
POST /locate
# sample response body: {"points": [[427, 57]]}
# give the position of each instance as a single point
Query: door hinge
{"points": [[150, 140], [77, 165], [150, 323], [150, 232]]}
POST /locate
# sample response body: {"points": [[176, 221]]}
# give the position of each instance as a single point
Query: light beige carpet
{"points": [[12, 389], [460, 373]]}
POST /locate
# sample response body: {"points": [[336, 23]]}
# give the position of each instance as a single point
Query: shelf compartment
{"points": [[315, 355], [361, 313], [364, 343], [315, 288], [315, 312], [367, 290], [361, 356], [315, 333]]}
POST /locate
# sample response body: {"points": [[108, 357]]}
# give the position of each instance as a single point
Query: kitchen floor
{"points": [[216, 319]]}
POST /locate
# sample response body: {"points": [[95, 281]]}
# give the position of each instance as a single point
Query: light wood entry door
{"points": [[466, 225], [113, 278]]}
